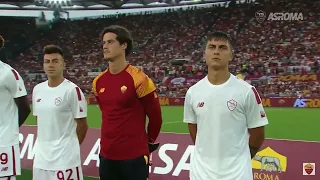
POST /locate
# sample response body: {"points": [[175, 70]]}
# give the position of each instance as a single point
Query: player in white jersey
{"points": [[14, 110], [61, 111], [225, 117]]}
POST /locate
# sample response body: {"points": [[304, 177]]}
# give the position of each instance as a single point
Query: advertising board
{"points": [[277, 159]]}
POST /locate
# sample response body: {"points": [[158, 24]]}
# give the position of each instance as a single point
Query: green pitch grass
{"points": [[284, 123]]}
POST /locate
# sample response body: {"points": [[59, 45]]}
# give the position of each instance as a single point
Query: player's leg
{"points": [[8, 178], [137, 169], [39, 174], [108, 169]]}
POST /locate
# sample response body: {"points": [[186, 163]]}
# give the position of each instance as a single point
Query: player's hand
{"points": [[153, 146]]}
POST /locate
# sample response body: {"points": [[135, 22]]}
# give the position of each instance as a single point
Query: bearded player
{"points": [[225, 117], [14, 110], [61, 110], [126, 96]]}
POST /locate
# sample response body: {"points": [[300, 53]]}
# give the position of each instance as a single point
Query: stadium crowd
{"points": [[169, 46]]}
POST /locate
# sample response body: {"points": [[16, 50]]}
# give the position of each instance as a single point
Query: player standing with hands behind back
{"points": [[14, 110], [125, 95], [225, 116], [61, 110]]}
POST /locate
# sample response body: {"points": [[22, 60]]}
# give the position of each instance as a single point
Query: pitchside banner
{"points": [[267, 102], [277, 160]]}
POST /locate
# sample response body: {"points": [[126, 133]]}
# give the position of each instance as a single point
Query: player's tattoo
{"points": [[253, 151]]}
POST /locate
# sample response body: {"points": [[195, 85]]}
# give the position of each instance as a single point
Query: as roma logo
{"points": [[232, 104], [57, 101]]}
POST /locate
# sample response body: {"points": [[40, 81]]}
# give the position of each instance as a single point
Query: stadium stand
{"points": [[168, 47]]}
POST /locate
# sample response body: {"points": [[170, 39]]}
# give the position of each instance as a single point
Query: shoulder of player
{"points": [[136, 74], [198, 86], [243, 87], [70, 86], [95, 80], [7, 70], [40, 86], [241, 84]]}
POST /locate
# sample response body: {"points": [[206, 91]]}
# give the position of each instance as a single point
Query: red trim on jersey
{"points": [[9, 177], [78, 174], [256, 94], [14, 162], [78, 93], [15, 74]]}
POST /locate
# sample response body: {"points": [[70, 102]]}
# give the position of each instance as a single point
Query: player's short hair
{"points": [[52, 49], [219, 35], [123, 36], [1, 42]]}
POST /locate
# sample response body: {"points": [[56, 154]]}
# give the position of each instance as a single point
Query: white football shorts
{"points": [[8, 178], [71, 173], [10, 163]]}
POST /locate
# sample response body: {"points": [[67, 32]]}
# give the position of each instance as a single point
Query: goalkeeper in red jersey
{"points": [[125, 95]]}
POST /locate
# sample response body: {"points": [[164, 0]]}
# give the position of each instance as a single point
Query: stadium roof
{"points": [[95, 4]]}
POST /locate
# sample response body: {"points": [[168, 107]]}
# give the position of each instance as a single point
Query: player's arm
{"points": [[15, 84], [256, 120], [189, 116], [79, 110], [34, 105], [146, 92]]}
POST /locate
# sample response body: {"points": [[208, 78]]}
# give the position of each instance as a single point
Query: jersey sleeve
{"points": [[15, 84], [145, 86], [189, 115], [78, 103], [94, 87], [254, 111]]}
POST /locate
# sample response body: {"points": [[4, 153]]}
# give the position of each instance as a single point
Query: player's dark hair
{"points": [[1, 42], [52, 49], [220, 35], [123, 36]]}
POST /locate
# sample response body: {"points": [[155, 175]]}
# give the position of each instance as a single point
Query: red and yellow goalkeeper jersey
{"points": [[125, 99]]}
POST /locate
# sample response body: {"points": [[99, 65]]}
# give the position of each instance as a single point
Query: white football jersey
{"points": [[11, 86], [57, 146], [223, 114]]}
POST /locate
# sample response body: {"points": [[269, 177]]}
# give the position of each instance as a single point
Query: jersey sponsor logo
{"points": [[309, 169], [270, 163], [123, 89], [232, 104], [200, 104], [57, 101]]}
